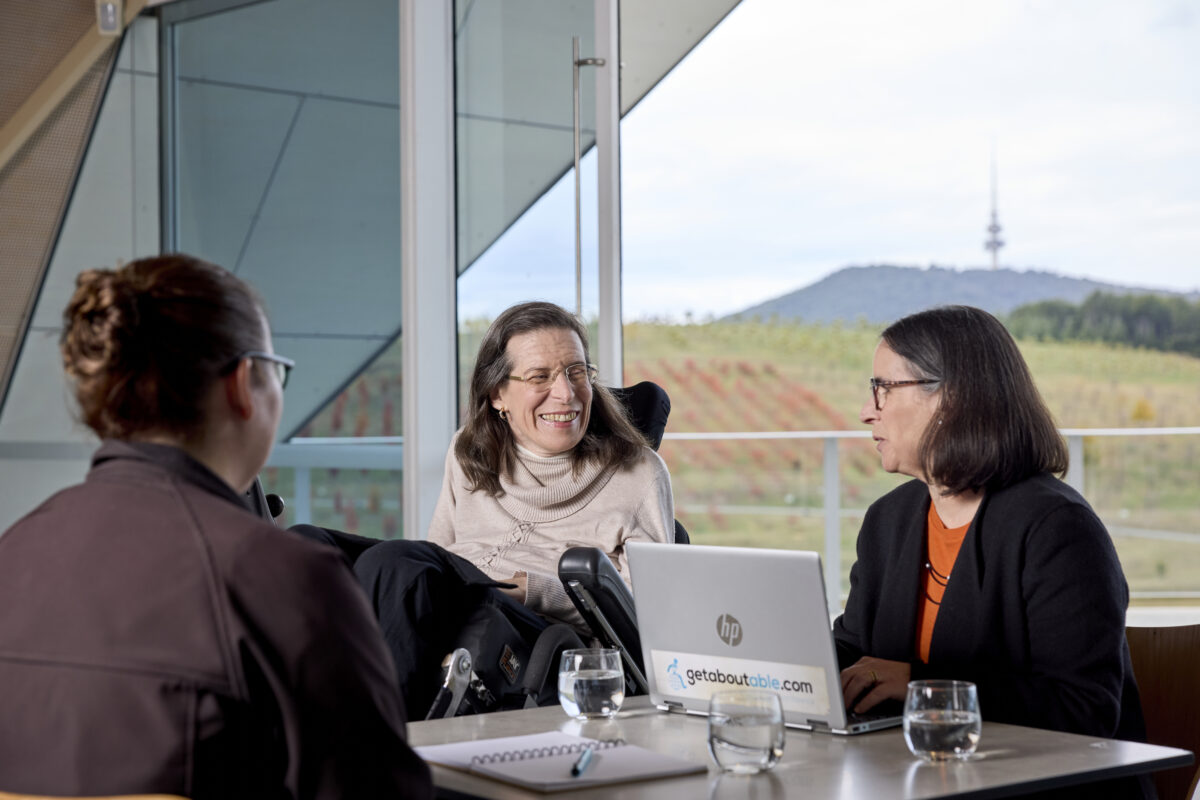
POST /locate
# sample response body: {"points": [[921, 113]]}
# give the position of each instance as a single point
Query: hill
{"points": [[884, 293], [769, 492]]}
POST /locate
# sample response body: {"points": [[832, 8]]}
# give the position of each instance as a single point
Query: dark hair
{"points": [[993, 428], [486, 450], [144, 342]]}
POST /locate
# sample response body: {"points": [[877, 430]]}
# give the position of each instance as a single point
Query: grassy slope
{"points": [[751, 376]]}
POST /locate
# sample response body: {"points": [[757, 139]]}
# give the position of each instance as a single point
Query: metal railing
{"points": [[832, 556], [305, 455], [387, 453]]}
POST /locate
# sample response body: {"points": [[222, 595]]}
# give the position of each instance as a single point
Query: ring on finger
{"points": [[874, 678]]}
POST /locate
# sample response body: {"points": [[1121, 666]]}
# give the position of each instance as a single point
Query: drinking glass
{"points": [[745, 730], [941, 719], [591, 682]]}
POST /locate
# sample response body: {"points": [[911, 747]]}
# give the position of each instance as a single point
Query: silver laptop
{"points": [[716, 617]]}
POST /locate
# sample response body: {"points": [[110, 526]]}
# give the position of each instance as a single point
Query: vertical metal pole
{"points": [[428, 276], [609, 339], [576, 63], [1075, 468], [833, 533], [578, 211], [167, 93], [302, 502]]}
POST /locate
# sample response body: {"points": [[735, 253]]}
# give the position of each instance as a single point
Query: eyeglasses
{"points": [[282, 366], [877, 384], [578, 374]]}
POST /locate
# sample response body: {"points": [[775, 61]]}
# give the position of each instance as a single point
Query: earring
{"points": [[503, 412]]}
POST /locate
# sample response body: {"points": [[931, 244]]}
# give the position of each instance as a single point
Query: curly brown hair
{"points": [[142, 343]]}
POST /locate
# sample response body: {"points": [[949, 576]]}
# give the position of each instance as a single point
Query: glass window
{"points": [[515, 152], [285, 169], [801, 144]]}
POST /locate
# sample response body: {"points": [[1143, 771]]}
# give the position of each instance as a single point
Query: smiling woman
{"points": [[546, 460], [528, 367], [547, 406]]}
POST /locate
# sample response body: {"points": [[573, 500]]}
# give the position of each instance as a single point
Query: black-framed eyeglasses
{"points": [[881, 398], [281, 366], [578, 375]]}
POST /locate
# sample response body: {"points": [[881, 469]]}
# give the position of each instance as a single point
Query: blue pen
{"points": [[585, 758]]}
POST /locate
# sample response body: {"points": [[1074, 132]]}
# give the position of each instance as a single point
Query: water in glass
{"points": [[591, 682], [939, 735], [745, 731], [591, 692], [942, 719]]}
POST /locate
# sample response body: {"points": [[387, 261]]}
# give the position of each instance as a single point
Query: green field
{"points": [[775, 377], [771, 377]]}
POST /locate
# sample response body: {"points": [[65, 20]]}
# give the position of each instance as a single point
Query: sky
{"points": [[802, 137]]}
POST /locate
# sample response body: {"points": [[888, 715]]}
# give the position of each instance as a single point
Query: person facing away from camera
{"points": [[157, 637], [986, 567], [547, 459]]}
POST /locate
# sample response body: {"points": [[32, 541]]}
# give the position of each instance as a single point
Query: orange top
{"points": [[942, 546]]}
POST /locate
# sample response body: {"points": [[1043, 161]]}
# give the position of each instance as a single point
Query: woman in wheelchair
{"points": [[546, 460], [157, 637]]}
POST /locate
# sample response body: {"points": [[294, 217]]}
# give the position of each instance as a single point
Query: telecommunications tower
{"points": [[994, 242]]}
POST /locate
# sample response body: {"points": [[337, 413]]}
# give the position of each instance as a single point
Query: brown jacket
{"points": [[157, 637]]}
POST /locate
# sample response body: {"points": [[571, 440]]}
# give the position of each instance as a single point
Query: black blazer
{"points": [[1034, 613]]}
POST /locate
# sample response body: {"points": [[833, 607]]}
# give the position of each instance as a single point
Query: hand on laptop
{"points": [[870, 681]]}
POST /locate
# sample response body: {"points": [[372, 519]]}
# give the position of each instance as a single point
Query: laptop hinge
{"points": [[673, 707]]}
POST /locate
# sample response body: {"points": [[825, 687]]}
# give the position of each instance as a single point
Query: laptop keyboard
{"points": [[855, 718], [889, 709]]}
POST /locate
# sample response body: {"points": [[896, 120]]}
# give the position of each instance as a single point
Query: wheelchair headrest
{"points": [[648, 406]]}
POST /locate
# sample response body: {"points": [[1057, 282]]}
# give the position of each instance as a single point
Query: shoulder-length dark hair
{"points": [[992, 427], [486, 449]]}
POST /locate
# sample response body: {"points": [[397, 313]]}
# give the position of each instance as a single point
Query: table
{"points": [[1011, 759]]}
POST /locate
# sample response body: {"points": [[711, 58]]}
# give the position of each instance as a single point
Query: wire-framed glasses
{"points": [[578, 374], [880, 397], [280, 365]]}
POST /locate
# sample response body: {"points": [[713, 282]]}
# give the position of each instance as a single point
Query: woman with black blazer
{"points": [[986, 567]]}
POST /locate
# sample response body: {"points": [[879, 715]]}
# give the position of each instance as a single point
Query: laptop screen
{"points": [[724, 617]]}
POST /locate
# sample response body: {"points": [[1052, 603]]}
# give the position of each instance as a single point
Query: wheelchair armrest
{"points": [[606, 605]]}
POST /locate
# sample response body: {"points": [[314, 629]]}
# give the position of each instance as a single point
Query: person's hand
{"points": [[870, 681], [517, 592]]}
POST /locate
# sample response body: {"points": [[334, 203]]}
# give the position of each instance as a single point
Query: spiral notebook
{"points": [[543, 761]]}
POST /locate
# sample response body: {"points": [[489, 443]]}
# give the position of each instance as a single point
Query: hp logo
{"points": [[729, 629]]}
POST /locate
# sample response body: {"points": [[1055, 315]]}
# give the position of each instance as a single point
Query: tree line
{"points": [[1158, 323]]}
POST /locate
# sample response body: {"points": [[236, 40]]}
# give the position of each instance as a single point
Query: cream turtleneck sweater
{"points": [[543, 511]]}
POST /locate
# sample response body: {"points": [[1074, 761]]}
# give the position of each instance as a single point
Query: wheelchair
{"points": [[492, 667]]}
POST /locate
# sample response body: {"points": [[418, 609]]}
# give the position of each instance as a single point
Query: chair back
{"points": [[648, 406], [1165, 661]]}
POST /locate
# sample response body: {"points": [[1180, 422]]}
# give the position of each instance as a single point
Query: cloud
{"points": [[862, 132], [802, 137]]}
